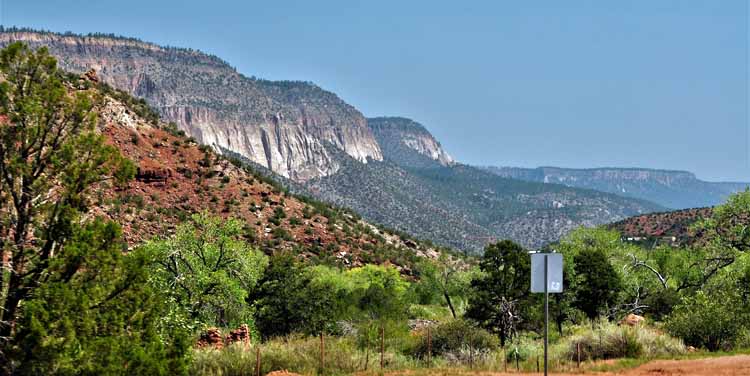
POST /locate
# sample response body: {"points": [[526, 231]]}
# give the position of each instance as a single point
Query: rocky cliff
{"points": [[672, 189], [281, 125], [176, 177], [407, 142]]}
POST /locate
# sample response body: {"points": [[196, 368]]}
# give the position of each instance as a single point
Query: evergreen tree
{"points": [[501, 294], [288, 299], [71, 301], [94, 312], [598, 283]]}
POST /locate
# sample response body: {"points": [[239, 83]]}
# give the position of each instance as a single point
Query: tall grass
{"points": [[610, 341], [344, 356], [296, 354]]}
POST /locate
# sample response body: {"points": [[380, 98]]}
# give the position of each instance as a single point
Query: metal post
{"points": [[505, 361], [546, 311]]}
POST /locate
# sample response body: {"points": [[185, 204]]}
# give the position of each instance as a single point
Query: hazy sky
{"points": [[651, 83]]}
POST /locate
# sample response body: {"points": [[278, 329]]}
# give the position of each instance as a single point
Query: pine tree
{"points": [[598, 282], [71, 301], [501, 294]]}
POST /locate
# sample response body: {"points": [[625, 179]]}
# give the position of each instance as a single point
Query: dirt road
{"points": [[738, 365], [724, 366]]}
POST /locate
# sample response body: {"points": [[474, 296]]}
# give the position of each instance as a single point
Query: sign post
{"points": [[546, 277]]}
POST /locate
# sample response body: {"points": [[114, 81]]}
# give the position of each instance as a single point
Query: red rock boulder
{"points": [[211, 338]]}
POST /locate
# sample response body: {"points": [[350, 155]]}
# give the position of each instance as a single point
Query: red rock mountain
{"points": [[177, 177]]}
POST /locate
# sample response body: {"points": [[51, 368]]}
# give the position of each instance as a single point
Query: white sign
{"points": [[554, 272]]}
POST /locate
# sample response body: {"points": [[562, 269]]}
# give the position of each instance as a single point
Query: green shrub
{"points": [[522, 349], [458, 341], [712, 322]]}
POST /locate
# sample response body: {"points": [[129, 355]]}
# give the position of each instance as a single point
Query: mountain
{"points": [[672, 189], [178, 177], [408, 142], [420, 190], [390, 170], [281, 125]]}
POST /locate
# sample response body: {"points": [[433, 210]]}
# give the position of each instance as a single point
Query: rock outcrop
{"points": [[632, 320], [281, 125], [239, 335], [408, 142], [211, 338]]}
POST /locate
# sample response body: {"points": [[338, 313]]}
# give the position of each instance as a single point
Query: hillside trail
{"points": [[738, 365]]}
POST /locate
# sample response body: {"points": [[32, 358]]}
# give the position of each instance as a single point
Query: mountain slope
{"points": [[672, 189], [653, 227], [281, 125], [457, 205], [177, 177]]}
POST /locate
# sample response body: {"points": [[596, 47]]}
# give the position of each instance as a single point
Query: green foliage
{"points": [[728, 225], [442, 280], [598, 283], [208, 270], [289, 298], [380, 292], [94, 312], [501, 293], [51, 158], [712, 321]]}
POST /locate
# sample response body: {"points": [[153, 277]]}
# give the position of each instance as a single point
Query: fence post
{"points": [[578, 353], [505, 361], [257, 361], [382, 347], [471, 353], [322, 353], [429, 347], [367, 351], [537, 363], [515, 354]]}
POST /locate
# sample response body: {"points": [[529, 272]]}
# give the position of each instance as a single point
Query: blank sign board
{"points": [[554, 272]]}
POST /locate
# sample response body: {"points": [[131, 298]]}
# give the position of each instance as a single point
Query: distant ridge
{"points": [[671, 188]]}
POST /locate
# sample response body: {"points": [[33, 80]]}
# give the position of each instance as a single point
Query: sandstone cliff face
{"points": [[402, 138], [278, 124]]}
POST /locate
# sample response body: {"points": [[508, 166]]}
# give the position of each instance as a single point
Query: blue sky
{"points": [[660, 84]]}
